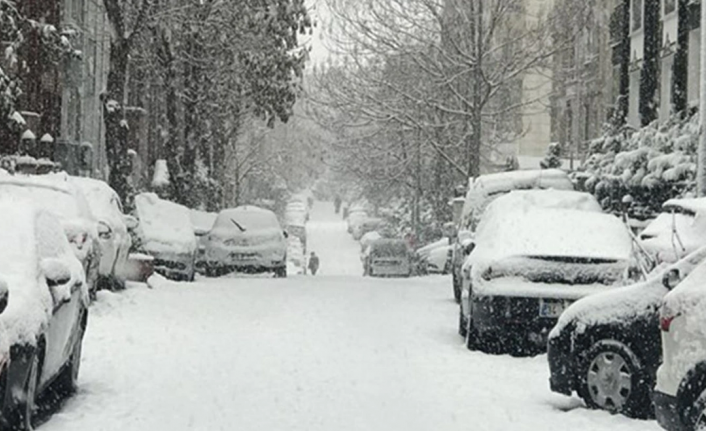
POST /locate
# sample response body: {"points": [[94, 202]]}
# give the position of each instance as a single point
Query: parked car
{"points": [[56, 194], [529, 265], [679, 230], [387, 258], [481, 192], [435, 258], [202, 223], [165, 232], [113, 236], [607, 348], [356, 216], [680, 391], [367, 224], [43, 310], [247, 239]]}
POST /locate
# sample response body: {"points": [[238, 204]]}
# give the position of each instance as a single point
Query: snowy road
{"points": [[332, 352]]}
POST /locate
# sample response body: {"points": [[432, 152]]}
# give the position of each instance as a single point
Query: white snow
{"points": [[330, 352], [18, 118], [685, 216], [161, 174], [28, 135], [165, 227], [202, 221]]}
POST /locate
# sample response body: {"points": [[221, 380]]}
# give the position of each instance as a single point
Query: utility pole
{"points": [[701, 164]]}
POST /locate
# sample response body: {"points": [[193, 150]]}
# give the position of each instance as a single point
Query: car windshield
{"points": [[246, 221], [389, 249]]}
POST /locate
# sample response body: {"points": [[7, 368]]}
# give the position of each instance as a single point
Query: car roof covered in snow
{"points": [[99, 195], [558, 199], [53, 192], [551, 232], [165, 226], [485, 188], [529, 179]]}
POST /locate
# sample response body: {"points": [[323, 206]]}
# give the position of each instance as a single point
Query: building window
{"points": [[636, 15]]}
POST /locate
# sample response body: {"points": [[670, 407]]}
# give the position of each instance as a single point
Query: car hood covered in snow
{"points": [[626, 303]]}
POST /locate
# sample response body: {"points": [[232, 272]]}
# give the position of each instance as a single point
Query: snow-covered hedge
{"points": [[652, 165]]}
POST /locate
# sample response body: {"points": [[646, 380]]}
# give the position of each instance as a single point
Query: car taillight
{"points": [[665, 322]]}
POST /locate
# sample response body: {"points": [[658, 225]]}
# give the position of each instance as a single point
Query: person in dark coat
{"points": [[337, 204], [313, 263]]}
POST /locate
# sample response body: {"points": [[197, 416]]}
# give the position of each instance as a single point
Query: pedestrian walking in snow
{"points": [[337, 204], [313, 263]]}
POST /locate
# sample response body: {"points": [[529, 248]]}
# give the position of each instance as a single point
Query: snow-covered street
{"points": [[331, 352]]}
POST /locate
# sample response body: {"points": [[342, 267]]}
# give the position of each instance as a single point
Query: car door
{"points": [[122, 237], [52, 244]]}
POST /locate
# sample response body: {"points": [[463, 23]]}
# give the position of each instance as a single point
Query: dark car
{"points": [[388, 258], [607, 347], [43, 310]]}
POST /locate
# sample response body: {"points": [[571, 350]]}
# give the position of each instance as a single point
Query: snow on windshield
{"points": [[165, 226]]}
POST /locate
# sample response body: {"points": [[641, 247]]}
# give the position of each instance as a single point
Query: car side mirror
{"points": [[131, 222], [104, 230], [58, 276], [468, 248], [671, 279], [4, 295]]}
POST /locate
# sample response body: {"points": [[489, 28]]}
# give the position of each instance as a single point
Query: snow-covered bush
{"points": [[652, 165]]}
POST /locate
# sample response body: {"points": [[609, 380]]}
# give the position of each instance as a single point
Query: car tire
{"points": [[25, 410], [611, 378], [472, 336], [462, 325], [457, 289]]}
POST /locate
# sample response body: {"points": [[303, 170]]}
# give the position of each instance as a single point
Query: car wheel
{"points": [[611, 379], [696, 414], [281, 272], [457, 289], [462, 325], [472, 336], [25, 411]]}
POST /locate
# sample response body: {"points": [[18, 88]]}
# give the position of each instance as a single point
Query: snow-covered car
{"points": [[298, 209], [388, 258], [529, 265], [355, 218], [56, 194], [606, 347], [112, 228], [202, 222], [368, 239], [165, 232], [435, 258], [677, 231], [680, 391], [43, 310], [367, 224], [485, 189], [247, 239]]}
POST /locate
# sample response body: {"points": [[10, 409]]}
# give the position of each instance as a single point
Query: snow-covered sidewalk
{"points": [[331, 352]]}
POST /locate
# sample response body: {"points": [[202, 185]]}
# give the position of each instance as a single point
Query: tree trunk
{"points": [[623, 102], [680, 69], [116, 127], [649, 77]]}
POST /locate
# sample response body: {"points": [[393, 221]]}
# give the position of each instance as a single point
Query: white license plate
{"points": [[243, 256], [552, 308]]}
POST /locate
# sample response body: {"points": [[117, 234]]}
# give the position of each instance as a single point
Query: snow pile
{"points": [[165, 227], [103, 200], [160, 179]]}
